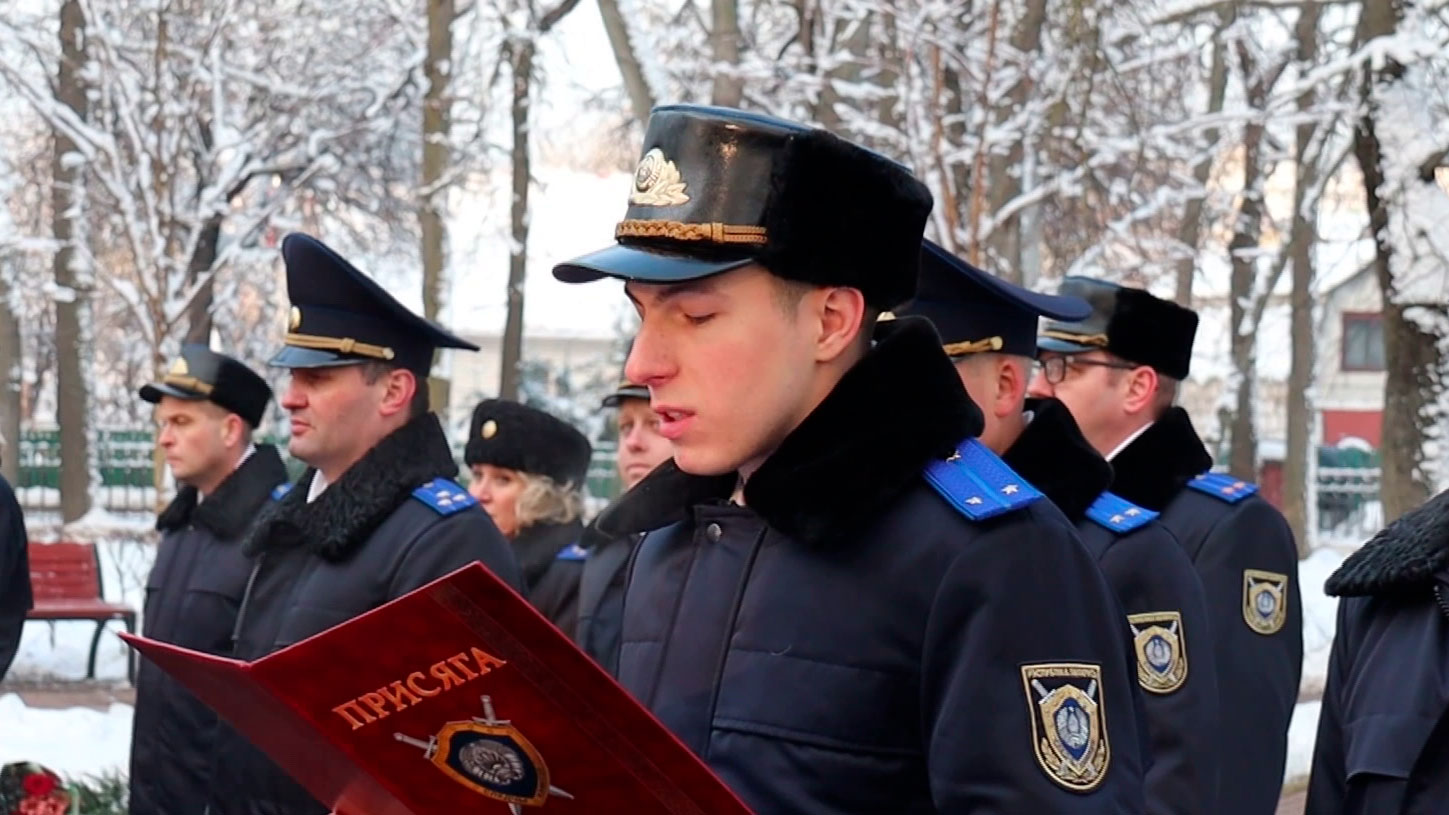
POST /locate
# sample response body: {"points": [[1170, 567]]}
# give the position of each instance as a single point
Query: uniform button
{"points": [[714, 532]]}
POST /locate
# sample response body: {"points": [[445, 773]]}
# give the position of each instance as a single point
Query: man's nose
{"points": [[1039, 386]]}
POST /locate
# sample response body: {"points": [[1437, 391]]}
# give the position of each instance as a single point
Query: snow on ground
{"points": [[1300, 742], [74, 741], [1320, 616]]}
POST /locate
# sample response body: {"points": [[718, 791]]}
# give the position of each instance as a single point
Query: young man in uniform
{"points": [[1118, 372], [988, 328], [1383, 733], [377, 513], [601, 589], [850, 605], [207, 407]]}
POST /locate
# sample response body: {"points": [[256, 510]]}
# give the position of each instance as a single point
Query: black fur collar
{"points": [[537, 547], [1054, 456], [1155, 466], [1407, 554], [347, 512], [228, 512], [860, 449]]}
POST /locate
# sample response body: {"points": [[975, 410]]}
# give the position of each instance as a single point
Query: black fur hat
{"points": [[523, 438], [719, 188], [1130, 323]]}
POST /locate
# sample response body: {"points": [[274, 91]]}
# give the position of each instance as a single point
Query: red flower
{"points": [[38, 784]]}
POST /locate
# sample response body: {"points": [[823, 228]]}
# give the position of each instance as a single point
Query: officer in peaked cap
{"points": [[1118, 371], [376, 514], [207, 406], [529, 468], [821, 585], [988, 327], [602, 586]]}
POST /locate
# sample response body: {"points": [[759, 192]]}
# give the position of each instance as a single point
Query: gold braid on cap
{"points": [[344, 345], [677, 231], [190, 383], [1098, 340], [956, 349]]}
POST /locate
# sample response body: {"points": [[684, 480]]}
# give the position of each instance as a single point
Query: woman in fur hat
{"points": [[528, 473]]}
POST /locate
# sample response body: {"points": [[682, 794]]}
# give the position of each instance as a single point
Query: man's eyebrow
{"points": [[705, 285]]}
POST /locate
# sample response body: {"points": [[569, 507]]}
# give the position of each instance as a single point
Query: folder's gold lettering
{"points": [[453, 672]]}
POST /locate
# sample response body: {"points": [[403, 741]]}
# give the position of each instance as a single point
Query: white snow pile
{"points": [[73, 741]]}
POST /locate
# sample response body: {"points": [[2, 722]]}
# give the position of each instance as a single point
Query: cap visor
{"points": [[1062, 346], [613, 399], [646, 265], [152, 393], [293, 357]]}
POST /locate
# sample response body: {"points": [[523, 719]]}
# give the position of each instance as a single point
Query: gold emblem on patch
{"points": [[1265, 600], [1068, 722], [179, 368], [294, 320], [490, 429], [1161, 649], [657, 182]]}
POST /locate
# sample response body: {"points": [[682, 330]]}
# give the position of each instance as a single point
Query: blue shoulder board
{"points": [[445, 496], [1223, 487], [573, 552], [978, 483], [1118, 514], [281, 490]]}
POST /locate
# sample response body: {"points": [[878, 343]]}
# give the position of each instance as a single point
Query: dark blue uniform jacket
{"points": [[192, 596], [1244, 553], [880, 630], [1383, 734], [1161, 594]]}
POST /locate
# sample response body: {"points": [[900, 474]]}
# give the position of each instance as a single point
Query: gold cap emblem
{"points": [[657, 182], [490, 429], [294, 320], [178, 368]]}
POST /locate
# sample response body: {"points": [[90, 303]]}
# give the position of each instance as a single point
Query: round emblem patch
{"points": [[1161, 650], [1265, 600]]}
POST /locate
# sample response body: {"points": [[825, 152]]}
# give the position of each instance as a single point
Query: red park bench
{"points": [[66, 581]]}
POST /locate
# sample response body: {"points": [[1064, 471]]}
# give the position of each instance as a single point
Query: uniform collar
{"points": [[1154, 468], [229, 510], [537, 547], [1054, 456], [1409, 553], [866, 444], [348, 512]]}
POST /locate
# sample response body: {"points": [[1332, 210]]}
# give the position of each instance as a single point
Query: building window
{"points": [[1363, 342]]}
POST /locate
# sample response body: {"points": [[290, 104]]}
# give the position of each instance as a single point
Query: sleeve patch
{"points": [[445, 496], [978, 483], [1223, 487], [1118, 514]]}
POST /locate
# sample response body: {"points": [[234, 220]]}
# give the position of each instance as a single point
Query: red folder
{"points": [[458, 697]]}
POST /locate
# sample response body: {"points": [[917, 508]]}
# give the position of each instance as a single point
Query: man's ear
{"points": [[400, 385], [841, 313], [1141, 390], [233, 430], [1013, 374]]}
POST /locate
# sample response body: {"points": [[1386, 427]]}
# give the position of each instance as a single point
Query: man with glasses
{"points": [[988, 327], [1118, 372]]}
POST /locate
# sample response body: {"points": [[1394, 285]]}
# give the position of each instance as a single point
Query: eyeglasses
{"points": [[1054, 369]]}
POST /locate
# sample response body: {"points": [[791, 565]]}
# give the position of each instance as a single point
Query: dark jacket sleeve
{"points": [[15, 596], [451, 543], [1328, 778], [1024, 593], [1258, 674], [1152, 573]]}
